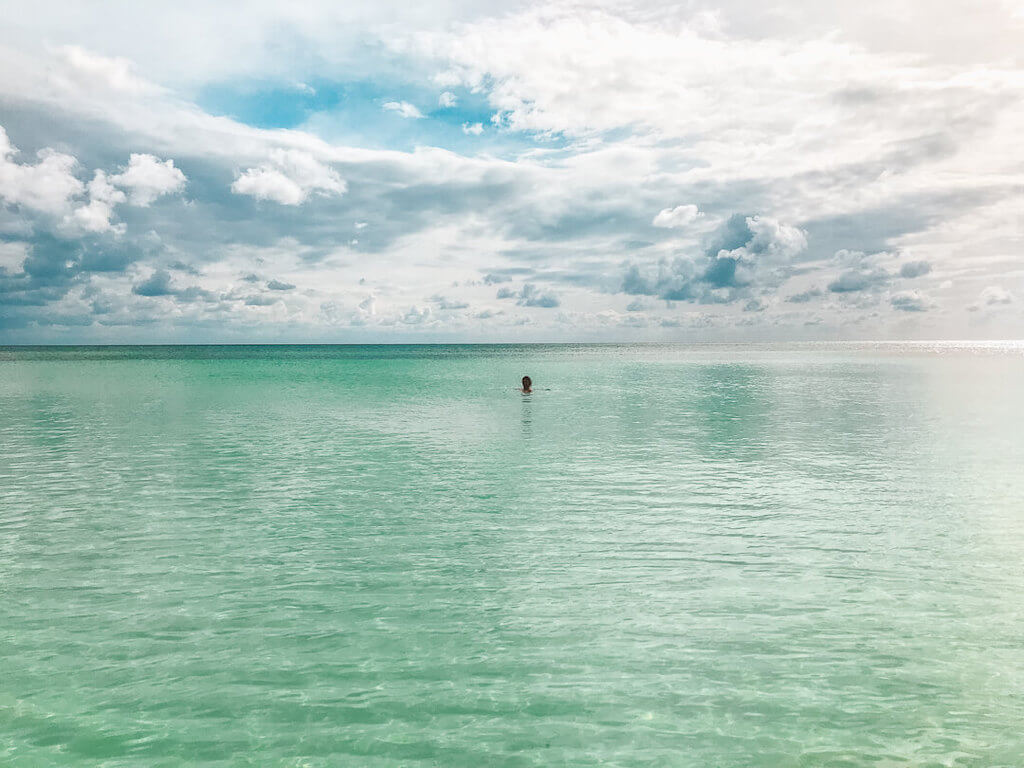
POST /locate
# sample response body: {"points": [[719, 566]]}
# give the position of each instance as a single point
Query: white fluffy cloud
{"points": [[47, 186], [679, 216], [403, 108], [95, 215], [147, 177], [447, 99], [51, 187], [289, 178]]}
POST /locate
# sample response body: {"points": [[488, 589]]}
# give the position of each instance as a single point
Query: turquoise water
{"points": [[671, 555]]}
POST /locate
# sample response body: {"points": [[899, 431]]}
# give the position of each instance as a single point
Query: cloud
{"points": [[448, 304], [157, 284], [289, 178], [804, 296], [854, 281], [48, 186], [147, 177], [114, 73], [679, 216], [403, 108], [911, 301], [992, 296], [474, 129], [277, 285], [51, 187], [95, 216], [588, 148], [863, 272], [530, 296], [447, 100], [746, 254], [915, 269], [415, 316]]}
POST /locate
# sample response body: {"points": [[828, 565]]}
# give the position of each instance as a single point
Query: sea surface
{"points": [[668, 555]]}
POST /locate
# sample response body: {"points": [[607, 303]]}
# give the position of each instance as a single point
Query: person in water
{"points": [[527, 385]]}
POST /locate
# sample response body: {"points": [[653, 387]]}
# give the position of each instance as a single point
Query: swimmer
{"points": [[527, 386]]}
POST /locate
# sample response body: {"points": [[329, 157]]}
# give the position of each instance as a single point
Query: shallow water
{"points": [[805, 555]]}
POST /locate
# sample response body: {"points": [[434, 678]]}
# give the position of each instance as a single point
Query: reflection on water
{"points": [[725, 556], [527, 414]]}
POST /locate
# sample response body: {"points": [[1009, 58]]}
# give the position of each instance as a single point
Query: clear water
{"points": [[383, 556]]}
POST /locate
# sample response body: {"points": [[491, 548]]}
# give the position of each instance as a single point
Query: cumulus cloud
{"points": [[415, 316], [147, 177], [679, 216], [447, 99], [157, 284], [474, 129], [48, 186], [992, 296], [911, 301], [277, 285], [289, 178], [95, 216], [403, 108], [746, 254], [863, 273], [51, 187], [854, 281], [530, 296]]}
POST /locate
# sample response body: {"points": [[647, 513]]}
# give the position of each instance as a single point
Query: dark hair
{"points": [[527, 383]]}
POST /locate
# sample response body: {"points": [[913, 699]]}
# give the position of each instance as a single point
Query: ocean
{"points": [[674, 555]]}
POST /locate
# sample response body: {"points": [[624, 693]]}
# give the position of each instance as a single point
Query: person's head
{"points": [[527, 383]]}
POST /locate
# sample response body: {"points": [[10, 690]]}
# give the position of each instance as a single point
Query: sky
{"points": [[475, 171]]}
